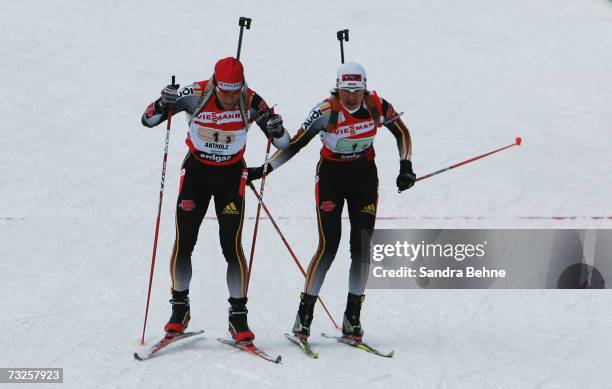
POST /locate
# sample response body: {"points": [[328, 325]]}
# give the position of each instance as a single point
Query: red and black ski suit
{"points": [[213, 168], [346, 171]]}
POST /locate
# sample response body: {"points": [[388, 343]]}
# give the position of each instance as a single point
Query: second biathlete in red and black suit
{"points": [[346, 172], [220, 111]]}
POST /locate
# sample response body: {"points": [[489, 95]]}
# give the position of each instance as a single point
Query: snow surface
{"points": [[79, 179]]}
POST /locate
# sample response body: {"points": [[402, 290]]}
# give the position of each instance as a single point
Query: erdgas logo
{"points": [[216, 158], [350, 156]]}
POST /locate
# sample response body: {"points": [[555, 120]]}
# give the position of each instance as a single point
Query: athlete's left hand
{"points": [[406, 178]]}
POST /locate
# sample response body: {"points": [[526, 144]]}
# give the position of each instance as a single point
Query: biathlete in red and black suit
{"points": [[220, 111], [347, 123]]}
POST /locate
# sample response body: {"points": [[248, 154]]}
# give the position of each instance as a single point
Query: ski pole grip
{"points": [[242, 22], [173, 80], [245, 22], [343, 35]]}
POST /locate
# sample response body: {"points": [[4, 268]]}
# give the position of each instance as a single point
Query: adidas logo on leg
{"points": [[230, 209], [369, 209]]}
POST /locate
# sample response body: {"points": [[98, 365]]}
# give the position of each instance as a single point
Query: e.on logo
{"points": [[187, 205], [328, 206]]}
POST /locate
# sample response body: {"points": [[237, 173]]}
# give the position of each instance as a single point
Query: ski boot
{"points": [[238, 325], [180, 312], [351, 326], [303, 319]]}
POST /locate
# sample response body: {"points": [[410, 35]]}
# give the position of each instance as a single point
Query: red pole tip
{"points": [[518, 140]]}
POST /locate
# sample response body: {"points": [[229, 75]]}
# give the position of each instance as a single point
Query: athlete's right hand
{"points": [[169, 95]]}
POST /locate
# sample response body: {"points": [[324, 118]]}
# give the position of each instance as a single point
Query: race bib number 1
{"points": [[352, 145], [208, 134]]}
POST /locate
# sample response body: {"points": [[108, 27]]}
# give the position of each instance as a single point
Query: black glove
{"points": [[274, 125], [169, 95], [255, 173], [406, 177]]}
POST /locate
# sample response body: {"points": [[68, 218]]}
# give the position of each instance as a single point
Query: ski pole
{"points": [[159, 208], [295, 259], [393, 118], [242, 22], [517, 142], [261, 190], [263, 178], [342, 35]]}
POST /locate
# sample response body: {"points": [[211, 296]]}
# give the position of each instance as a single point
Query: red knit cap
{"points": [[229, 74]]}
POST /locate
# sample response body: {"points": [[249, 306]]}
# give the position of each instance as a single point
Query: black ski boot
{"points": [[180, 312], [303, 319], [238, 325], [351, 326]]}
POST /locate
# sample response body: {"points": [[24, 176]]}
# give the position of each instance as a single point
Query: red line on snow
{"points": [[445, 217]]}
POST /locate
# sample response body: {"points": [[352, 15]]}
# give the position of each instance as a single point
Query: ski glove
{"points": [[406, 178], [169, 95], [274, 126], [255, 173]]}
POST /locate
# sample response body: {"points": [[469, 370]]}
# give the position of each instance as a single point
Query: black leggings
{"points": [[357, 182], [200, 182]]}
